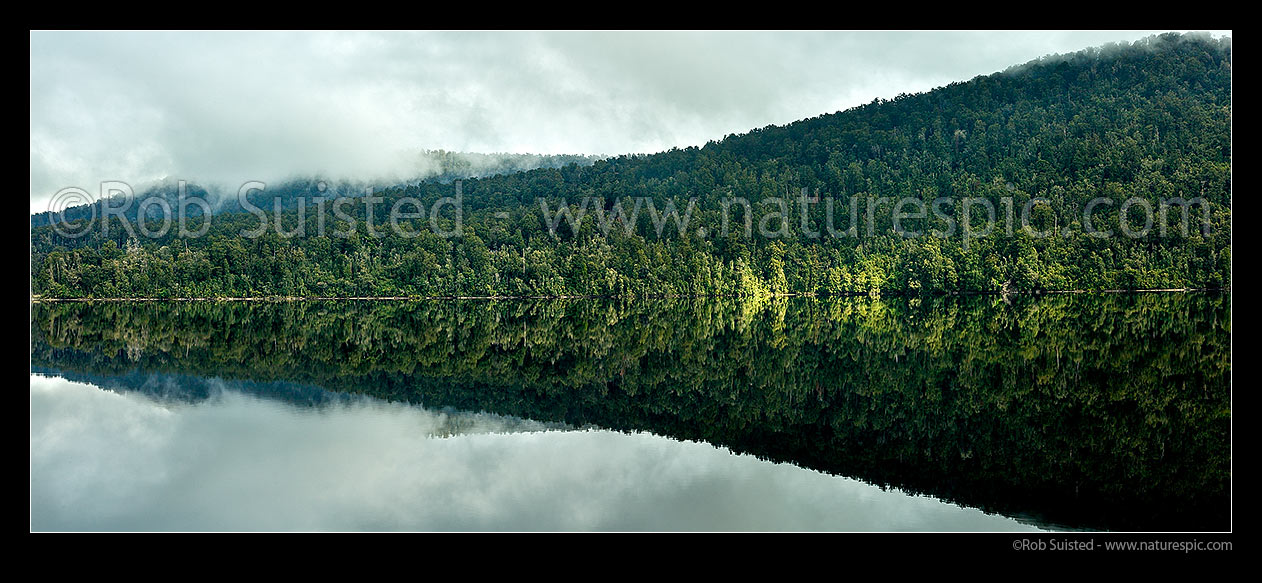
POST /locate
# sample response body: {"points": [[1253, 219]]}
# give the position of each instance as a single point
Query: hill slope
{"points": [[1068, 142]]}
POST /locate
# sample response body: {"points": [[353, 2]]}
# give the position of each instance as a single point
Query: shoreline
{"points": [[37, 299]]}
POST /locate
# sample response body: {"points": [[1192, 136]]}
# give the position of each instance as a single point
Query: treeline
{"points": [[1102, 411], [1148, 122], [428, 166]]}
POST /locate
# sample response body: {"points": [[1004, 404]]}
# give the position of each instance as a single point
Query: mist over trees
{"points": [[438, 166], [1135, 126]]}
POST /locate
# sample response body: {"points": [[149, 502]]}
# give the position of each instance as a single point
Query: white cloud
{"points": [[238, 106]]}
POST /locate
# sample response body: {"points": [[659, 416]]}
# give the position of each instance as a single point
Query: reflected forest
{"points": [[1082, 411]]}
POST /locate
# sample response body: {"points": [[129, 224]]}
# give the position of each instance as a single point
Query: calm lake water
{"points": [[1106, 412]]}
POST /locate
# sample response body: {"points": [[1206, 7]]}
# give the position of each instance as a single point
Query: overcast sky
{"points": [[237, 106]]}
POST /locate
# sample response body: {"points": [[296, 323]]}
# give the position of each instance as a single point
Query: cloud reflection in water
{"points": [[102, 460]]}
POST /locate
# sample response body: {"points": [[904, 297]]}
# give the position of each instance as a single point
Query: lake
{"points": [[975, 413]]}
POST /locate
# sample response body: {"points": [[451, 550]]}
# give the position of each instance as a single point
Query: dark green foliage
{"points": [[1105, 411], [1149, 121]]}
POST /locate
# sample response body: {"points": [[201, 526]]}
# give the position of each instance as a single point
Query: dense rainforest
{"points": [[1099, 150]]}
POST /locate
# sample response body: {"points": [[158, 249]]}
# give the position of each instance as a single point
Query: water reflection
{"points": [[103, 460], [1107, 412]]}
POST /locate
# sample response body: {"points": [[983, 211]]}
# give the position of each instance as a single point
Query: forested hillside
{"points": [[1122, 127]]}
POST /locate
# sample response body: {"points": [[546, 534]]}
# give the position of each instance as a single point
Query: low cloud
{"points": [[237, 106]]}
